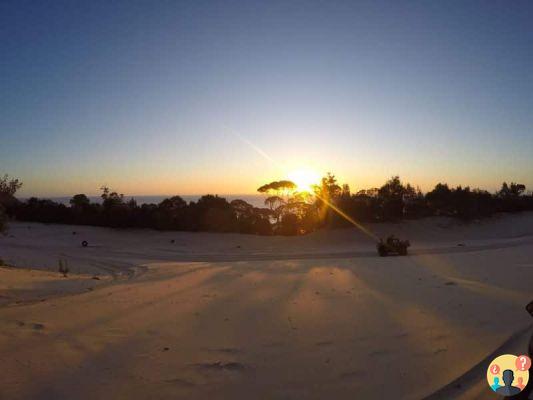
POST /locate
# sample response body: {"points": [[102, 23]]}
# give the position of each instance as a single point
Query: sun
{"points": [[304, 179]]}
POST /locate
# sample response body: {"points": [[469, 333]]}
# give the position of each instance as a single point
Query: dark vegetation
{"points": [[286, 211], [8, 202]]}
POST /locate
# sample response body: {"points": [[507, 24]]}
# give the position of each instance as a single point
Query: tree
{"points": [[242, 208], [171, 213], [414, 202], [9, 187], [510, 197], [274, 202], [391, 197], [289, 225], [517, 189], [513, 190], [280, 189], [439, 200], [80, 201], [328, 189], [251, 219], [3, 219], [326, 193], [214, 213], [174, 203], [280, 193], [111, 199]]}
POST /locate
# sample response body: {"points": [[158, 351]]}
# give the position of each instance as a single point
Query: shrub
{"points": [[63, 267], [3, 220]]}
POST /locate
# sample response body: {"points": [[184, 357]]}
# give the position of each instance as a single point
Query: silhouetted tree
{"points": [[391, 196], [46, 211], [251, 219], [171, 214], [439, 200], [289, 224], [511, 199], [3, 219], [414, 203], [283, 189], [326, 195], [514, 190], [116, 213], [80, 201], [8, 188], [214, 213], [280, 193], [289, 212]]}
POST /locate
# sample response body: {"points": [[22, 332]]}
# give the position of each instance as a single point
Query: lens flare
{"points": [[304, 179]]}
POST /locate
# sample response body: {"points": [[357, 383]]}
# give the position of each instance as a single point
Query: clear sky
{"points": [[220, 97]]}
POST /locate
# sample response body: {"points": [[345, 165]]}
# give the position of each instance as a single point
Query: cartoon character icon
{"points": [[508, 389], [508, 375], [496, 384]]}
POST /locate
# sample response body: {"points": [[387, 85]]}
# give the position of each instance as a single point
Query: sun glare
{"points": [[304, 179]]}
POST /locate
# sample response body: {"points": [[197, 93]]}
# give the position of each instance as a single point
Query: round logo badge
{"points": [[508, 374]]}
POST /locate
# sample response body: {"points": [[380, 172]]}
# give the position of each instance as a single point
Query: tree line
{"points": [[287, 211]]}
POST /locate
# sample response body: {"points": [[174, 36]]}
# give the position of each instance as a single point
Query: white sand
{"points": [[222, 316]]}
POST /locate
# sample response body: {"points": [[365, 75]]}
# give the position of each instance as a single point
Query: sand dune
{"points": [[236, 316]]}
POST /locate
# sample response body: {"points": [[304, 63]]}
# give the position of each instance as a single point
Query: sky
{"points": [[177, 97]]}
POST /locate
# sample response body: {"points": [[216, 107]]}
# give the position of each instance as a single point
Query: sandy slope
{"points": [[237, 316]]}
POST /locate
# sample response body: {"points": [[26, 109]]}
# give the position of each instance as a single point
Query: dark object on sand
{"points": [[85, 243], [74, 232], [172, 241], [392, 245], [63, 267]]}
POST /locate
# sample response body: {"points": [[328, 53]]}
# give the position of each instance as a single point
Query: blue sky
{"points": [[174, 97]]}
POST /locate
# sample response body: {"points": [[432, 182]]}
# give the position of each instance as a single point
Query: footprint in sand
{"points": [[274, 344], [33, 325], [350, 375], [115, 333], [440, 337], [401, 335], [224, 350], [180, 382], [221, 366], [380, 353]]}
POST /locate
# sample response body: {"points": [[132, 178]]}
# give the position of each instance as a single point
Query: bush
{"points": [[3, 219]]}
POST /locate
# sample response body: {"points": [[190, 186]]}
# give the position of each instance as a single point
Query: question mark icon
{"points": [[495, 369], [523, 363]]}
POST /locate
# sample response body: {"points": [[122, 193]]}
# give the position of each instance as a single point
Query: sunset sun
{"points": [[304, 179]]}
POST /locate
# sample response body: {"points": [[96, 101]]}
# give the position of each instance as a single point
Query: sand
{"points": [[223, 316]]}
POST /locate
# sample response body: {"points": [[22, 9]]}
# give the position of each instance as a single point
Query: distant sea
{"points": [[254, 199]]}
